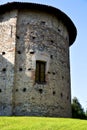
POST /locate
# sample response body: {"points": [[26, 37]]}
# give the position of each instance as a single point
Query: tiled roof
{"points": [[58, 13]]}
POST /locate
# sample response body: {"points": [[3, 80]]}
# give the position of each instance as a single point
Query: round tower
{"points": [[34, 44]]}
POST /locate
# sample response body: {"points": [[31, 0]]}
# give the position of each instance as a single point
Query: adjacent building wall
{"points": [[7, 60]]}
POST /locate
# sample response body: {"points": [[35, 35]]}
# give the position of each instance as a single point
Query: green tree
{"points": [[77, 110]]}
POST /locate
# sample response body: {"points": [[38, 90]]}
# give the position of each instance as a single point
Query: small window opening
{"points": [[33, 37], [0, 90], [17, 37], [16, 90], [29, 69], [62, 77], [54, 92], [42, 22], [52, 41], [41, 91], [19, 52], [40, 72], [31, 51], [61, 95], [3, 53], [24, 89], [53, 73], [51, 56], [4, 69], [20, 69], [59, 30], [48, 72]]}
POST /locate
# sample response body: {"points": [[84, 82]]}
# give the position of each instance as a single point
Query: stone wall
{"points": [[47, 37]]}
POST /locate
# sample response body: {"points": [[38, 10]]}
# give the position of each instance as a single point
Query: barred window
{"points": [[40, 72]]}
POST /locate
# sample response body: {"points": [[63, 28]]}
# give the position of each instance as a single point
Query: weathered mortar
{"points": [[45, 35]]}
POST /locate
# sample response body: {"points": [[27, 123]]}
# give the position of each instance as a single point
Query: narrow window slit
{"points": [[40, 72]]}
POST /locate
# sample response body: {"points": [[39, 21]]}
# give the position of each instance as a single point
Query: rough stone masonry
{"points": [[34, 60]]}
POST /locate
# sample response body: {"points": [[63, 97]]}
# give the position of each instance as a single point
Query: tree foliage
{"points": [[77, 110]]}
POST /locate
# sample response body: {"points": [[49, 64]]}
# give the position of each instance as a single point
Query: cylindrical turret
{"points": [[38, 41]]}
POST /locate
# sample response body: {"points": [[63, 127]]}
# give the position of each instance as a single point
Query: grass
{"points": [[38, 123]]}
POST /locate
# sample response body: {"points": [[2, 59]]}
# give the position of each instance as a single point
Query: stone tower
{"points": [[34, 60]]}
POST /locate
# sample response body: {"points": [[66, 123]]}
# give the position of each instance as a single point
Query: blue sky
{"points": [[77, 11]]}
